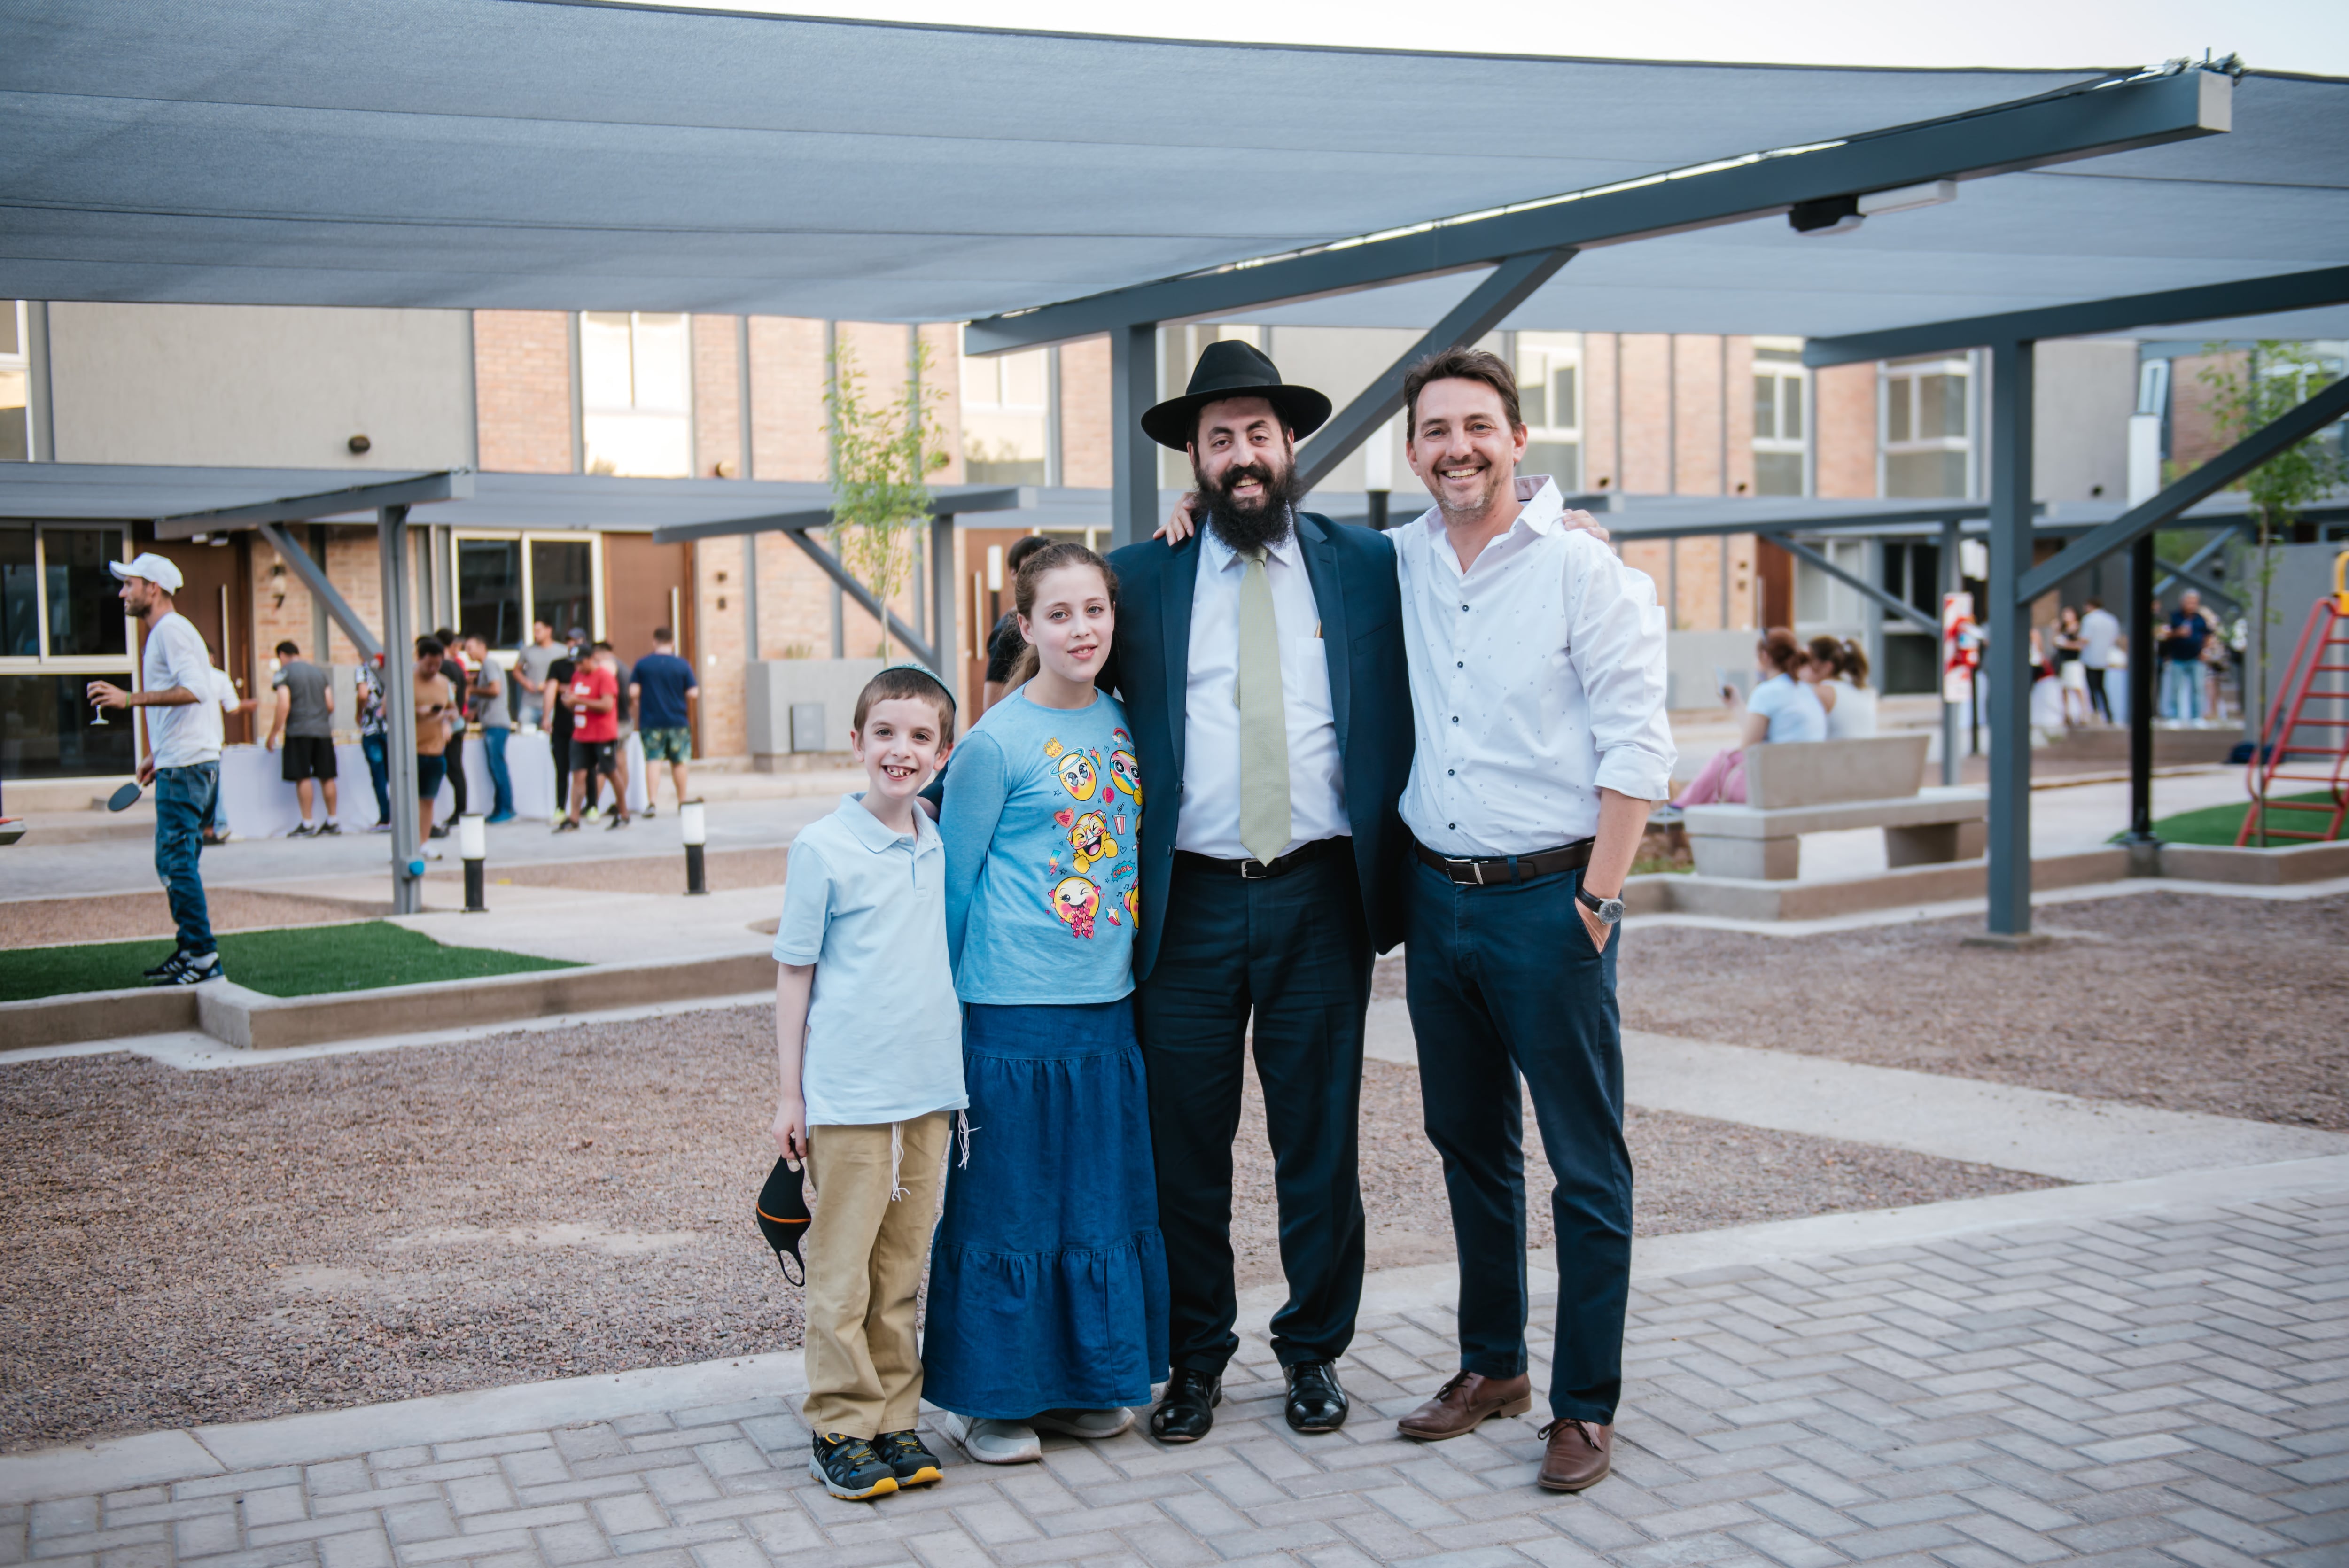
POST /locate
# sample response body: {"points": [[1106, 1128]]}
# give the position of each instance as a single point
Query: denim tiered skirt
{"points": [[1048, 1280]]}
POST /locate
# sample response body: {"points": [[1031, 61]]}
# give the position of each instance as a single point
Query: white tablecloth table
{"points": [[260, 804]]}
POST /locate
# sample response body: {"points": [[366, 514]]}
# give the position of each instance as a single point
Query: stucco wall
{"points": [[255, 386]]}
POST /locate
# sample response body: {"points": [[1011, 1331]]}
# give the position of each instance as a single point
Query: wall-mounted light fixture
{"points": [[360, 445], [1844, 214]]}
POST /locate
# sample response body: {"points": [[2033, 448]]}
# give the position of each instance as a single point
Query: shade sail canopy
{"points": [[112, 493], [524, 153]]}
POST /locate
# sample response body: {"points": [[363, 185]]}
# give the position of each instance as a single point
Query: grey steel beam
{"points": [[314, 578], [2085, 122], [457, 484], [399, 710], [2208, 302], [915, 642], [1004, 498], [2194, 562], [2194, 579], [2224, 469], [1628, 523], [1867, 590], [2009, 665], [1507, 286], [944, 606], [1134, 456]]}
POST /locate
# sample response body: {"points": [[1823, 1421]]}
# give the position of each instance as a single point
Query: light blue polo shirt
{"points": [[868, 908]]}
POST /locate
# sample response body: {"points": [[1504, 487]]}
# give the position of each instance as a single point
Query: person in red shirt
{"points": [[594, 698]]}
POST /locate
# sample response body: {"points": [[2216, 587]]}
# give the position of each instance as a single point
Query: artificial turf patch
{"points": [[2219, 824], [292, 961]]}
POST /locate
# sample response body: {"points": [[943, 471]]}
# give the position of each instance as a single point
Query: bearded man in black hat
{"points": [[1261, 666]]}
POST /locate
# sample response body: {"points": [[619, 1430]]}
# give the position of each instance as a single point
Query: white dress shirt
{"points": [[1210, 823], [1537, 676]]}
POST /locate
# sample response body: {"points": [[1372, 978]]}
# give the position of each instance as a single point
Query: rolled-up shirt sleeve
{"points": [[1615, 641]]}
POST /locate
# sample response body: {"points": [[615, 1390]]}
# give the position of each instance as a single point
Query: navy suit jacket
{"points": [[1352, 571]]}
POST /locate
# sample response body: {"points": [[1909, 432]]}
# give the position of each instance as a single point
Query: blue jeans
{"points": [[2182, 688], [184, 797], [1503, 982], [493, 750], [379, 761]]}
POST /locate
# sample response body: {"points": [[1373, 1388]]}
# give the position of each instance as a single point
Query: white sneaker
{"points": [[1090, 1424], [994, 1442]]}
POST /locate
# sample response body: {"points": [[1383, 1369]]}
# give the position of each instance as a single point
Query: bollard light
{"points": [[691, 822], [473, 848]]}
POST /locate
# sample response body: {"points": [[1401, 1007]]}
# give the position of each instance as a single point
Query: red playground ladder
{"points": [[2307, 737]]}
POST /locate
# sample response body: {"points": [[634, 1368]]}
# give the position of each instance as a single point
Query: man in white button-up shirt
{"points": [[1537, 698]]}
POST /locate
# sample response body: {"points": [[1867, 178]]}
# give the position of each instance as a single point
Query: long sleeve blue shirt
{"points": [[1042, 822]]}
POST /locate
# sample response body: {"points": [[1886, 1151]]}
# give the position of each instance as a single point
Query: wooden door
{"points": [[648, 586], [216, 594], [981, 605]]}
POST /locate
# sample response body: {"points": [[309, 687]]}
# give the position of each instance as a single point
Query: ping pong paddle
{"points": [[122, 800]]}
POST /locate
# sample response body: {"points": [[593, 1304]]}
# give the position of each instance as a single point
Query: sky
{"points": [[2304, 36]]}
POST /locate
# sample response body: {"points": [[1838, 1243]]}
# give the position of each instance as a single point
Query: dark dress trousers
{"points": [[1293, 951]]}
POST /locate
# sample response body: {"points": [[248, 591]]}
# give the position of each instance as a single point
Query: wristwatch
{"points": [[1609, 909]]}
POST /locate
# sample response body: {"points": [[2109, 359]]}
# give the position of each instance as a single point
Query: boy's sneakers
{"points": [[850, 1469], [568, 825], [157, 973], [191, 969], [907, 1460], [304, 831], [992, 1442], [330, 829]]}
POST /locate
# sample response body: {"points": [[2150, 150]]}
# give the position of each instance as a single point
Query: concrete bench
{"points": [[1829, 786]]}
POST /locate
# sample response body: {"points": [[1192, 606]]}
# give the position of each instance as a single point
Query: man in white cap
{"points": [[182, 755]]}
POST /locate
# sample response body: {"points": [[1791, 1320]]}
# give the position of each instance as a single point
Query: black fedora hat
{"points": [[1230, 367]]}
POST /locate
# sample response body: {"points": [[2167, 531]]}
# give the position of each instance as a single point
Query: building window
{"points": [[61, 624], [16, 421], [1780, 440], [1927, 437], [635, 393], [1006, 401], [506, 581], [1549, 396]]}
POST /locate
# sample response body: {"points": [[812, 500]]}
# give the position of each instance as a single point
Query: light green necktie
{"points": [[1264, 719]]}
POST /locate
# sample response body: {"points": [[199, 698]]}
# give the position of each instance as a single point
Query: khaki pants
{"points": [[864, 1258]]}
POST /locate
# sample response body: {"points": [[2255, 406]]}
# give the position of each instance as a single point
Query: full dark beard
{"points": [[1260, 527]]}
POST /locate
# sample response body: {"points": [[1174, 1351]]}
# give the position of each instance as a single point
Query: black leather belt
{"points": [[1258, 871], [1490, 871]]}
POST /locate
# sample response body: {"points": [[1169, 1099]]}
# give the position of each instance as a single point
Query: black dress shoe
{"points": [[1315, 1403], [1188, 1411]]}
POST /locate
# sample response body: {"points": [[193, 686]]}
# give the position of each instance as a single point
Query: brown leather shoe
{"points": [[1580, 1455], [1465, 1401]]}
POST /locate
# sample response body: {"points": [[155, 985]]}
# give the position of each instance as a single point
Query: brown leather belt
{"points": [[1256, 871], [1494, 871]]}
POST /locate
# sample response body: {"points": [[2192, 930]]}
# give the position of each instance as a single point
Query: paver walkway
{"points": [[2158, 1387]]}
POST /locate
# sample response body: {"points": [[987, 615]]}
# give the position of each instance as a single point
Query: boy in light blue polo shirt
{"points": [[868, 1035]]}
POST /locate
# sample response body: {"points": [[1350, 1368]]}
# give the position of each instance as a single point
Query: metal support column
{"points": [[2144, 678], [1134, 456], [1950, 584], [2009, 664], [942, 598], [399, 707]]}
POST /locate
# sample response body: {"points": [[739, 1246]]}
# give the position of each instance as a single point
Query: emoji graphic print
{"points": [[1113, 786], [1076, 901], [1089, 840]]}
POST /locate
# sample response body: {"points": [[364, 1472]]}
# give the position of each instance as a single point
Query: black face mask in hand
{"points": [[784, 1218]]}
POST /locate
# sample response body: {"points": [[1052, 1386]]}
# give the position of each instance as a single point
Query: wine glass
{"points": [[97, 715]]}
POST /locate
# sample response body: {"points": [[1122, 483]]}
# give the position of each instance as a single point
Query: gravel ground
{"points": [[124, 917], [2233, 1006], [199, 1247]]}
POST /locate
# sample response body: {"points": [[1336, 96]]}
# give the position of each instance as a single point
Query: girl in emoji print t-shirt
{"points": [[1042, 817]]}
